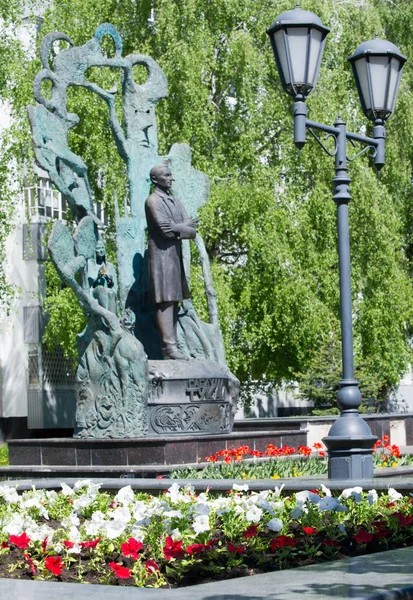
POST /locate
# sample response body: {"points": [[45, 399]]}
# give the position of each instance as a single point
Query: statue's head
{"points": [[161, 176], [100, 249]]}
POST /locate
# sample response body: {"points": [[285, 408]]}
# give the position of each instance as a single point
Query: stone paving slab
{"points": [[382, 576]]}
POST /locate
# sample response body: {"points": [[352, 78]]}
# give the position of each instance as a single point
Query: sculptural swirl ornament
{"points": [[120, 392]]}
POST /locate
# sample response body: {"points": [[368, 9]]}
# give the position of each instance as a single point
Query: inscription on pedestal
{"points": [[208, 390]]}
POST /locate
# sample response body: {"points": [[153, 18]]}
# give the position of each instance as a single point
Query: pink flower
{"points": [[54, 565], [120, 571], [68, 544], [173, 549], [44, 545], [132, 548], [21, 541]]}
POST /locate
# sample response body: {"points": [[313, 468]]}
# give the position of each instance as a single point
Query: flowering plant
{"points": [[244, 463], [82, 534]]}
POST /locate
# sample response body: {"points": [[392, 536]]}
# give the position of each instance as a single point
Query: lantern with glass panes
{"points": [[298, 38]]}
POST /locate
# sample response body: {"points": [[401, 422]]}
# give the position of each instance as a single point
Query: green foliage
{"points": [[66, 318], [270, 224], [319, 383]]}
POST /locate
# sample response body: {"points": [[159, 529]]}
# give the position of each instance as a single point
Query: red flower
{"points": [[310, 530], [44, 545], [68, 544], [404, 521], [21, 541], [330, 542], [227, 460], [54, 564], [318, 446], [250, 532], [90, 543], [362, 537], [304, 450], [386, 438], [5, 545], [151, 566], [281, 541], [382, 533], [132, 548], [321, 454], [120, 571], [211, 458], [235, 549], [196, 548], [30, 563], [173, 549]]}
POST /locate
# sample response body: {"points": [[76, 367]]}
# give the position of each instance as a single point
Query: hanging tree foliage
{"points": [[270, 223]]}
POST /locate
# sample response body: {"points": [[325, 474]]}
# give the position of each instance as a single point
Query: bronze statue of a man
{"points": [[168, 224]]}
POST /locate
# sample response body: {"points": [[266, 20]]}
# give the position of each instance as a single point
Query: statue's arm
{"points": [[167, 228]]}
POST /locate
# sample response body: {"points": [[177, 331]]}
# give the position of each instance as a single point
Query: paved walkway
{"points": [[382, 576]]}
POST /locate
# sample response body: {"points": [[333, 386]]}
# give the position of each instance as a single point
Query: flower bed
{"points": [[236, 463], [179, 538]]}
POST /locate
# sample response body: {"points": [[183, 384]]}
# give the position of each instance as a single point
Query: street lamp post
{"points": [[298, 39]]}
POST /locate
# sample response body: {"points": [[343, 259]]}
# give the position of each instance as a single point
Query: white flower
{"points": [[394, 495], [121, 514], [72, 519], [325, 490], [74, 535], [138, 533], [201, 524], [125, 495], [10, 495], [354, 493], [275, 524], [278, 490], [96, 524], [81, 484], [328, 503], [51, 496], [16, 524], [176, 535], [202, 508], [173, 514], [296, 513], [241, 488], [306, 495], [66, 490], [114, 529], [372, 496], [82, 502], [238, 510], [254, 514], [139, 510]]}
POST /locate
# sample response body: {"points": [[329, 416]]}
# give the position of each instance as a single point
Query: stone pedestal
{"points": [[194, 397]]}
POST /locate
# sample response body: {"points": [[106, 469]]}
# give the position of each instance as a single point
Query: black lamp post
{"points": [[298, 39]]}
